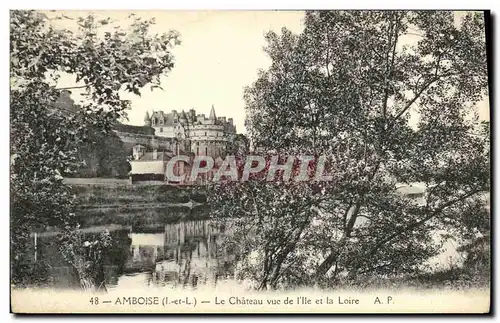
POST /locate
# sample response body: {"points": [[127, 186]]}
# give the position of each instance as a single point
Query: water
{"points": [[183, 254]]}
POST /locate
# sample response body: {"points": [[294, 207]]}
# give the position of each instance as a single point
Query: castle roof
{"points": [[167, 117], [189, 117]]}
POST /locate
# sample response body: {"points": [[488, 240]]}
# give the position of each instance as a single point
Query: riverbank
{"points": [[116, 202], [139, 217], [101, 192]]}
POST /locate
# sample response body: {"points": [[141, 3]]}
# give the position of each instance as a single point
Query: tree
{"points": [[266, 220], [45, 136], [238, 146], [350, 87]]}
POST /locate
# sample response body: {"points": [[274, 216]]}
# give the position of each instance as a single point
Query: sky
{"points": [[220, 54]]}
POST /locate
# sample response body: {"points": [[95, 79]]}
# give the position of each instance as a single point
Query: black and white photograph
{"points": [[250, 161]]}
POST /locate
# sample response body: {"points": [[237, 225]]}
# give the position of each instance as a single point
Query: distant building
{"points": [[145, 136], [204, 136], [148, 166], [152, 165], [165, 135]]}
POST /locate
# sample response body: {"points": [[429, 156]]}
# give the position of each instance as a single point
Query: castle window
{"points": [[205, 133], [161, 129], [206, 151]]}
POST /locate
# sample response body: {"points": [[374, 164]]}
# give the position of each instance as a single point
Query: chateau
{"points": [[201, 135], [165, 135]]}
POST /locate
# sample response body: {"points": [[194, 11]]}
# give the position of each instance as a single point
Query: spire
{"points": [[147, 119], [212, 114]]}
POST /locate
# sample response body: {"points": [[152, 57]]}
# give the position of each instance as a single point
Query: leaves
{"points": [[47, 132]]}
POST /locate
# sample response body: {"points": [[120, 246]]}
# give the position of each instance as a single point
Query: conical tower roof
{"points": [[212, 113]]}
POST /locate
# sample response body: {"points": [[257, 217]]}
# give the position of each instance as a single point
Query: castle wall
{"points": [[168, 131], [208, 148], [151, 142], [148, 167]]}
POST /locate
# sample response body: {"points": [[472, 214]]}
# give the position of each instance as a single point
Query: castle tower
{"points": [[147, 119], [212, 114]]}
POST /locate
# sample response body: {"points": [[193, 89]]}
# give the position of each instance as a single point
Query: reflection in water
{"points": [[187, 254], [183, 254]]}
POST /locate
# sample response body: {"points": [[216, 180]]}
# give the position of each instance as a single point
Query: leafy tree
{"points": [[45, 137], [389, 97], [252, 211]]}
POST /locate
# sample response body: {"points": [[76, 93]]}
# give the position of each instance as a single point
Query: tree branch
{"points": [[422, 90], [389, 66], [74, 87]]}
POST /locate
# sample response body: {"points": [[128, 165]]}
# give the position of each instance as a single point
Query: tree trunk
{"points": [[331, 259]]}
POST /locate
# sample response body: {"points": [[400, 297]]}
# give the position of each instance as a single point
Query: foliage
{"points": [[45, 137], [267, 252], [103, 155], [87, 256], [389, 97], [238, 146]]}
